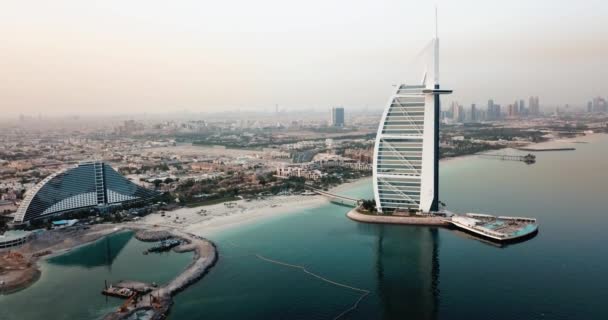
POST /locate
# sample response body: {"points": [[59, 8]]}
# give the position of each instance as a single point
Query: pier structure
{"points": [[529, 158], [545, 149]]}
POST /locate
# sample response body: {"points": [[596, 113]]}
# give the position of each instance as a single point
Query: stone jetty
{"points": [[156, 304]]}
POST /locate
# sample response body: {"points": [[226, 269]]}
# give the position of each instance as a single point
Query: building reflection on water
{"points": [[99, 253], [406, 271]]}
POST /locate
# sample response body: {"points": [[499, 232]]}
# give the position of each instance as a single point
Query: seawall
{"points": [[157, 303], [404, 220]]}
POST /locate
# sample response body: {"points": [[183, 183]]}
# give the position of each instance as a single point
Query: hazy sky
{"points": [[82, 56]]}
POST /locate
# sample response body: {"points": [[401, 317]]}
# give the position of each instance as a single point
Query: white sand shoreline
{"points": [[210, 220]]}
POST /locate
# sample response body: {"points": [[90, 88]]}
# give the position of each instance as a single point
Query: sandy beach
{"points": [[210, 220]]}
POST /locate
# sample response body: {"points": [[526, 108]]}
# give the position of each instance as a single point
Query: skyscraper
{"points": [[490, 113], [473, 113], [534, 106], [512, 111], [457, 112], [406, 154], [337, 117]]}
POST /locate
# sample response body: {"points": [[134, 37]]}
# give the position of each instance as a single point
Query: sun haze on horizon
{"points": [[70, 56]]}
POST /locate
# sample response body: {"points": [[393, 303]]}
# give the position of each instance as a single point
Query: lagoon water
{"points": [[70, 285], [410, 272]]}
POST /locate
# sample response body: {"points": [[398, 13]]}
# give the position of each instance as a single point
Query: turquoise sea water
{"points": [[410, 272], [70, 285]]}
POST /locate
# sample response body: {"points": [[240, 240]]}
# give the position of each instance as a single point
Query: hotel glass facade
{"points": [[89, 184], [399, 151]]}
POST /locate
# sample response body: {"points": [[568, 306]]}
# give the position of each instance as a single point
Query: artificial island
{"points": [[406, 166]]}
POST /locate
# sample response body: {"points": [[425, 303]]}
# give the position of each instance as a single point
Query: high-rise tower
{"points": [[406, 154], [337, 117]]}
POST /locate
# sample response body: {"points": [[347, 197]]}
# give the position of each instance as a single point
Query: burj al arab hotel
{"points": [[406, 154]]}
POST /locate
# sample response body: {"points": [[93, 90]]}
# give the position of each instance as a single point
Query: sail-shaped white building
{"points": [[406, 154]]}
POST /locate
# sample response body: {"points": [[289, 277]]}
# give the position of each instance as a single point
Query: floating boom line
{"points": [[364, 292]]}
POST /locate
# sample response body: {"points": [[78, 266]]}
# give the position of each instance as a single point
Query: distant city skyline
{"points": [[75, 57]]}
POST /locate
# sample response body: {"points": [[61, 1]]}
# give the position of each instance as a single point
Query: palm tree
{"points": [[369, 205]]}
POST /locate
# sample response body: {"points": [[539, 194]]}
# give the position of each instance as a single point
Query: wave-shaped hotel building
{"points": [[87, 185]]}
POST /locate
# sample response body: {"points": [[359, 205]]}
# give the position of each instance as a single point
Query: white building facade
{"points": [[406, 153]]}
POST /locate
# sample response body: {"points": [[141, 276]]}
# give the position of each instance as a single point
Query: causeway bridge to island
{"points": [[339, 199]]}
